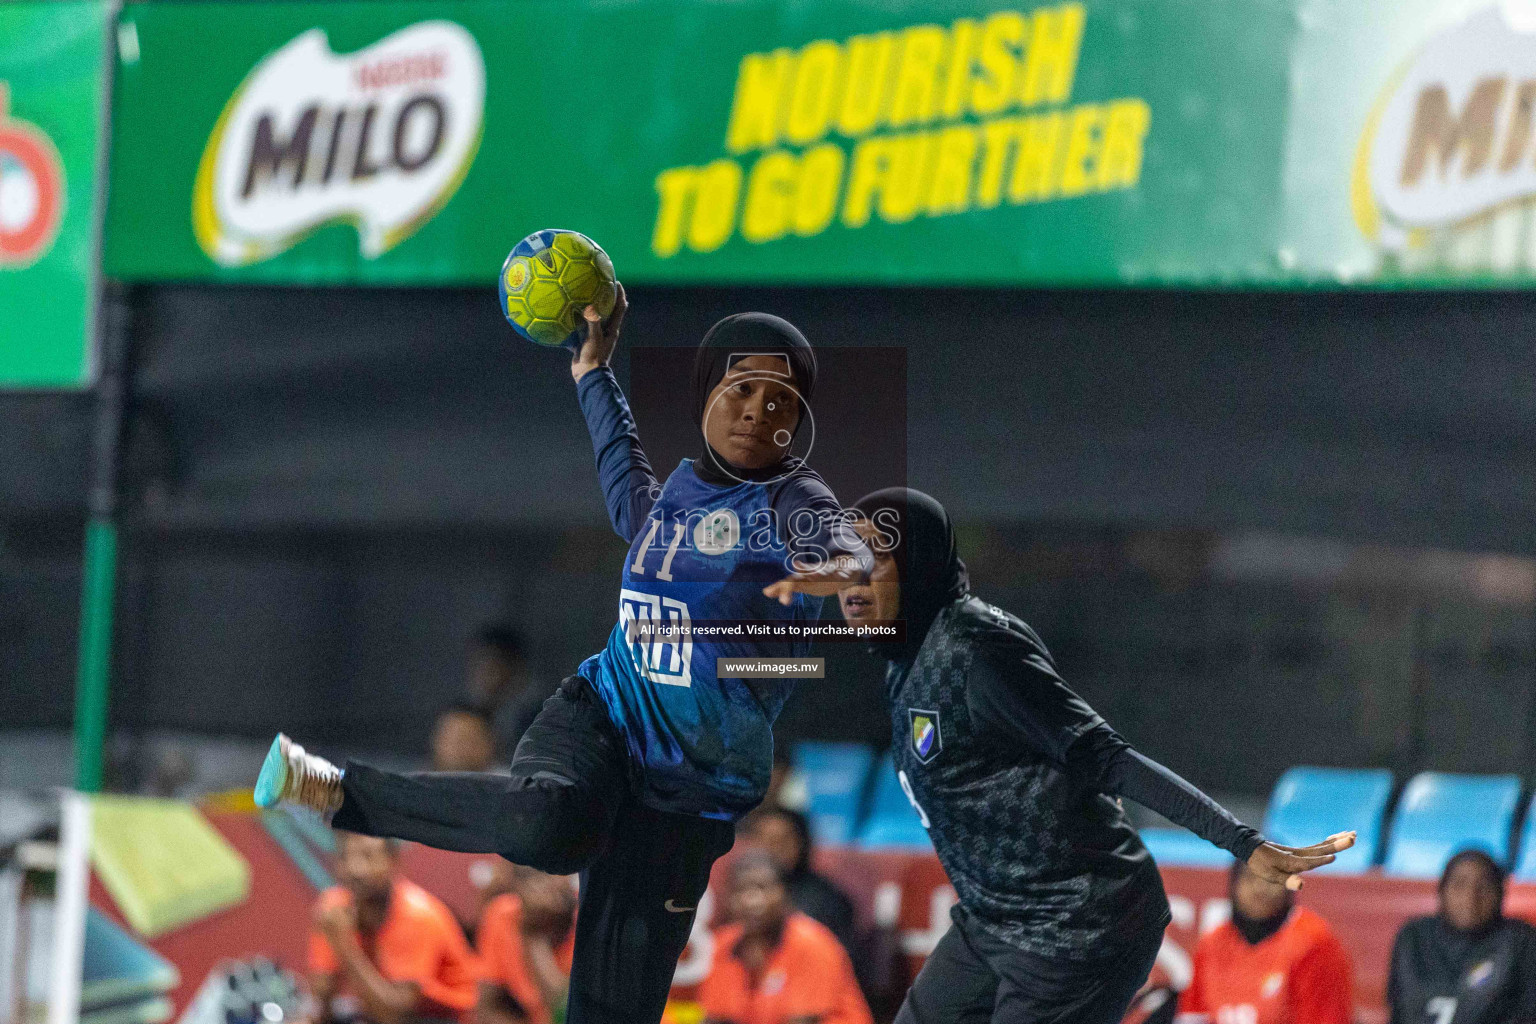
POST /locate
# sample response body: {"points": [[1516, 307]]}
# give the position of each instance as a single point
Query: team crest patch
{"points": [[927, 740], [1480, 974], [717, 533]]}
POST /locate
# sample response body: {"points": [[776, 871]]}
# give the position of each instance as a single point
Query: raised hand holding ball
{"points": [[547, 281], [599, 337]]}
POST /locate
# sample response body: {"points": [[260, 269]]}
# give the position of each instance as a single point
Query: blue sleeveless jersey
{"points": [[702, 555]]}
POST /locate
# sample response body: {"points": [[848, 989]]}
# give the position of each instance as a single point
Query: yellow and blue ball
{"points": [[548, 279]]}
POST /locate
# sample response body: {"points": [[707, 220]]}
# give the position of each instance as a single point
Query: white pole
{"points": [[69, 910]]}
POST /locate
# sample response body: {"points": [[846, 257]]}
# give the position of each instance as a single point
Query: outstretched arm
{"points": [[629, 485], [1014, 689], [1107, 762], [1103, 758], [828, 546]]}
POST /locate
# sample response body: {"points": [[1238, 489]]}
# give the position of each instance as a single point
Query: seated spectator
{"points": [[498, 680], [1469, 963], [383, 949], [785, 836], [525, 942], [775, 965], [1272, 963], [463, 741]]}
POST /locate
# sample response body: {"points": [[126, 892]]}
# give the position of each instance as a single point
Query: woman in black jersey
{"points": [[1061, 909], [1467, 964]]}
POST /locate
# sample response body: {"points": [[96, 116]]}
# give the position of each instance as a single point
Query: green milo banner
{"points": [[52, 93], [1292, 143], [840, 140]]}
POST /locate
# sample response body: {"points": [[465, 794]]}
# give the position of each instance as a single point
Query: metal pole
{"points": [[100, 562]]}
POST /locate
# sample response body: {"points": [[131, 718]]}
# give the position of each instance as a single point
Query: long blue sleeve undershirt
{"points": [[629, 485]]}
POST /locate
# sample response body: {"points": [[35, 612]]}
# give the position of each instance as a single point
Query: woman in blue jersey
{"points": [[635, 770]]}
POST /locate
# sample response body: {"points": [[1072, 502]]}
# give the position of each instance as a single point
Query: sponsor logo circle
{"points": [[717, 532], [31, 189]]}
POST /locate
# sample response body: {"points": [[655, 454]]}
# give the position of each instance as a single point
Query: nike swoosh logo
{"points": [[674, 908]]}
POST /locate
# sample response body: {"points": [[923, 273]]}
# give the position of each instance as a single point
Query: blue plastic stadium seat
{"points": [[892, 822], [1525, 865], [1310, 804], [1441, 813], [834, 775], [1181, 848]]}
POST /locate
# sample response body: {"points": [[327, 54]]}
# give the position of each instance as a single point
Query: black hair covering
{"points": [[802, 829], [748, 334], [502, 637], [1483, 860], [1255, 930], [927, 558]]}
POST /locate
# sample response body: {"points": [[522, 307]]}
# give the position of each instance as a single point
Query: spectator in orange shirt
{"points": [[384, 950], [775, 965], [525, 945], [1272, 963]]}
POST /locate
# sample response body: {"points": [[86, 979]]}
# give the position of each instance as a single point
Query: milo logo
{"points": [[1446, 163], [380, 139]]}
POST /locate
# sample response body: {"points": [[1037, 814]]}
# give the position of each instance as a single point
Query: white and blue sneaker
{"points": [[289, 774]]}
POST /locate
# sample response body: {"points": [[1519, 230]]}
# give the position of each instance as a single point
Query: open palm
{"points": [[1284, 865]]}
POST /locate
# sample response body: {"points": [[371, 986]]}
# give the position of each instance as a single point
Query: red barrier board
{"points": [[1365, 911]]}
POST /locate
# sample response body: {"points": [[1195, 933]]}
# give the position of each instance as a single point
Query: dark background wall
{"points": [[326, 490]]}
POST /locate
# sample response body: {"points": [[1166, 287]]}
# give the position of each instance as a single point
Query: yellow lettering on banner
{"points": [[1001, 37], [967, 79], [950, 191], [1035, 164], [1055, 40], [673, 188], [864, 177], [1084, 143], [1125, 133], [912, 102], [714, 205], [770, 189], [864, 84], [907, 176], [760, 83], [786, 192], [962, 42], [815, 90], [821, 176], [998, 139]]}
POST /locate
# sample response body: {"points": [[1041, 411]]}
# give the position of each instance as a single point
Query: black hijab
{"points": [[1255, 930], [744, 334], [1495, 873], [927, 559]]}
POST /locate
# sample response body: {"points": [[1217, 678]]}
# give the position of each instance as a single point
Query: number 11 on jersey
{"points": [[665, 572]]}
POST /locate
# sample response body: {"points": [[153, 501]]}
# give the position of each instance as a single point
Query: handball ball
{"points": [[548, 279]]}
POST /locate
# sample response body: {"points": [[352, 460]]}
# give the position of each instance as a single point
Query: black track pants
{"points": [[974, 978], [567, 805]]}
